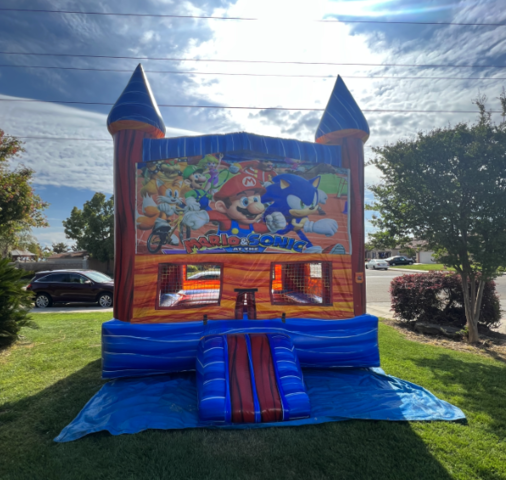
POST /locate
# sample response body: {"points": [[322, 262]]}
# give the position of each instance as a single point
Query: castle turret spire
{"points": [[342, 118], [136, 108]]}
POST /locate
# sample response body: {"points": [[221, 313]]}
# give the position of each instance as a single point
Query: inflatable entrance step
{"points": [[252, 378]]}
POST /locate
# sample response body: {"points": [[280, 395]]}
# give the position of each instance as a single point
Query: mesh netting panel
{"points": [[189, 286], [301, 283]]}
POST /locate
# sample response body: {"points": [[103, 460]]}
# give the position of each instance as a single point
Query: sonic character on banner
{"points": [[297, 198], [238, 209]]}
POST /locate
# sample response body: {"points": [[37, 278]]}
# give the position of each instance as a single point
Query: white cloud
{"points": [[149, 36], [85, 164], [286, 32], [47, 236]]}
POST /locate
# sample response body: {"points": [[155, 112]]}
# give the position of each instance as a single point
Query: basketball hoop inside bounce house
{"points": [[239, 259]]}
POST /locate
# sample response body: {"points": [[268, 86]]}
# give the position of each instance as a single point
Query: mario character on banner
{"points": [[263, 171], [238, 210], [240, 204]]}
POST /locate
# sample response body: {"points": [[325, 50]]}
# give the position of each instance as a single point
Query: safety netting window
{"points": [[189, 286], [301, 283]]}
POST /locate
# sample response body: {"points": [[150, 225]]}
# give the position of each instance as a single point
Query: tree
{"points": [[15, 303], [93, 227], [20, 208], [60, 247], [26, 241], [448, 187], [46, 252], [384, 241]]}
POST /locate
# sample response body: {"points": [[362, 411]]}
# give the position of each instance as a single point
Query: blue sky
{"points": [[68, 172]]}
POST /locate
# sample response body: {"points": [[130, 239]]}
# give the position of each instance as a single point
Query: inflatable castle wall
{"points": [[241, 251]]}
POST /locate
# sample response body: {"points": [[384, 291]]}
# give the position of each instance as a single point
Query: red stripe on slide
{"points": [[241, 393], [265, 379]]}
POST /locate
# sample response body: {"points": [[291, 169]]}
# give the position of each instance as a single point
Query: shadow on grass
{"points": [[346, 450], [481, 385]]}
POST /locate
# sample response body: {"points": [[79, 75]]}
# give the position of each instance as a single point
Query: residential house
{"points": [[23, 256], [422, 254]]}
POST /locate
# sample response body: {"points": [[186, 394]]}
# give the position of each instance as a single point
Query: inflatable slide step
{"points": [[252, 378]]}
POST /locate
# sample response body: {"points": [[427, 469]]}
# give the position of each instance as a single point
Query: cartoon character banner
{"points": [[241, 204]]}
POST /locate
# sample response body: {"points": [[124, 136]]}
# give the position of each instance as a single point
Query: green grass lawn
{"points": [[426, 267], [48, 378]]}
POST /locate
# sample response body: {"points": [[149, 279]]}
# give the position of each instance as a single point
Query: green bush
{"points": [[15, 303], [438, 297]]}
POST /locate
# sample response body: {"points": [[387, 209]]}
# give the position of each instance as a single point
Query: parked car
{"points": [[399, 260], [64, 286], [377, 264], [209, 275]]}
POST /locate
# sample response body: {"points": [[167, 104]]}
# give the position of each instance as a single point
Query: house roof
{"points": [[22, 253], [79, 254], [417, 243]]}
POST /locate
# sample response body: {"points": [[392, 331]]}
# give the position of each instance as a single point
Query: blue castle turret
{"points": [[136, 107], [342, 117]]}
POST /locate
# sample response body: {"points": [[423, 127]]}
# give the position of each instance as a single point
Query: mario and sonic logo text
{"points": [[241, 205], [234, 244]]}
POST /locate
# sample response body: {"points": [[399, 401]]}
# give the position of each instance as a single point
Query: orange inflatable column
{"points": [[344, 124], [352, 154], [134, 117]]}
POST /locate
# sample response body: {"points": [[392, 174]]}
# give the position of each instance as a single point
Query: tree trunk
{"points": [[477, 305], [472, 305]]}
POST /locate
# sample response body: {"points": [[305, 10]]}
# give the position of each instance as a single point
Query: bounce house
{"points": [[239, 280]]}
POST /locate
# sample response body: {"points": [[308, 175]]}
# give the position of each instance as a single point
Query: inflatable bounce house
{"points": [[240, 257]]}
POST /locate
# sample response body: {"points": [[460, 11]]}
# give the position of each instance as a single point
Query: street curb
{"points": [[410, 270], [426, 271]]}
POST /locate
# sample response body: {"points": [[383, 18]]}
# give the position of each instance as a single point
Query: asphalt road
{"points": [[378, 283]]}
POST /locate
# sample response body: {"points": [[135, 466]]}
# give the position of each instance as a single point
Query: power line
{"points": [[210, 17], [253, 61], [63, 138], [190, 72], [243, 108]]}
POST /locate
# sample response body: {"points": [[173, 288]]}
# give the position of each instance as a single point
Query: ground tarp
{"points": [[170, 402]]}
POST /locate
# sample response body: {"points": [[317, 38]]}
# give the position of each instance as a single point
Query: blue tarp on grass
{"points": [[170, 402]]}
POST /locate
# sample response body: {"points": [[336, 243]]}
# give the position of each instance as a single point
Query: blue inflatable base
{"points": [[170, 402], [143, 349]]}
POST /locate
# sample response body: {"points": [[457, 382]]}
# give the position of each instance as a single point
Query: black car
{"points": [[399, 260], [63, 286]]}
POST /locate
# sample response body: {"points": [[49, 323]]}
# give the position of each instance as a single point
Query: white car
{"points": [[377, 264]]}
